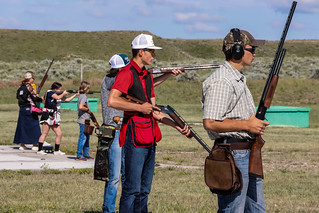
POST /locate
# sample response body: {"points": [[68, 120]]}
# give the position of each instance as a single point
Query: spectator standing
{"points": [[28, 129], [84, 111]]}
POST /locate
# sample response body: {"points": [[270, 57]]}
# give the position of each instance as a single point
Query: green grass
{"points": [[35, 45], [290, 158]]}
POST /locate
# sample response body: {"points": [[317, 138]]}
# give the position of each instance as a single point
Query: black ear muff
{"points": [[237, 50]]}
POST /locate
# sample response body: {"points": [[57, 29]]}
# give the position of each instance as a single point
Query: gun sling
{"points": [[235, 143]]}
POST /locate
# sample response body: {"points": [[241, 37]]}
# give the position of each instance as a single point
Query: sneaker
{"points": [[35, 148], [41, 152], [59, 153], [22, 148], [81, 158], [89, 158], [46, 144]]}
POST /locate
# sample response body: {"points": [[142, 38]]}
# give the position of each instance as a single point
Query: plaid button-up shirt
{"points": [[225, 95]]}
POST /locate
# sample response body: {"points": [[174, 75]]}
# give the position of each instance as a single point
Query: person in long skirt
{"points": [[28, 129]]}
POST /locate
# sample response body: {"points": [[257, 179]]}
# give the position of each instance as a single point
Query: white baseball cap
{"points": [[119, 61], [144, 41], [28, 75]]}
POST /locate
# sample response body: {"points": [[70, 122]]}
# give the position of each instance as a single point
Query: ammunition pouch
{"points": [[105, 136], [88, 129], [222, 175]]}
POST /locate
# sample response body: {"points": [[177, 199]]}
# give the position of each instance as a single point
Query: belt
{"points": [[235, 143]]}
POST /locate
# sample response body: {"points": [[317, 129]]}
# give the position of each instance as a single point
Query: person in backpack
{"points": [[28, 129], [51, 116]]}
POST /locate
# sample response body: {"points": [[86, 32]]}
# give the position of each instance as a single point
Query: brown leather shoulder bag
{"points": [[222, 175]]}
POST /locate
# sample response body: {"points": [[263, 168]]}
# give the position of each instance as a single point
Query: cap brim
{"points": [[147, 47], [154, 48], [118, 66], [258, 43]]}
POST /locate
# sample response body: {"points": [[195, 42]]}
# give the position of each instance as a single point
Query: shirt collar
{"points": [[239, 76], [140, 71]]}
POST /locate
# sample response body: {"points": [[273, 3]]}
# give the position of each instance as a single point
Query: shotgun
{"points": [[44, 77], [158, 70], [76, 91], [176, 117], [94, 120], [255, 160], [181, 123]]}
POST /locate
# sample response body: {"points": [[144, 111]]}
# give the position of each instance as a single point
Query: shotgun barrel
{"points": [[158, 70]]}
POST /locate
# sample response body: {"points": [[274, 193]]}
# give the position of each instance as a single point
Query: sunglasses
{"points": [[251, 50], [152, 51]]}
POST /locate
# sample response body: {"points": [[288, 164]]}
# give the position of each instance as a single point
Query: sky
{"points": [[186, 19]]}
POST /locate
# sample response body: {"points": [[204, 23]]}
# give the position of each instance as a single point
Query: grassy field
{"points": [[290, 158]]}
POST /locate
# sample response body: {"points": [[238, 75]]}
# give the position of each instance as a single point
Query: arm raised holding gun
{"points": [[255, 161], [76, 91]]}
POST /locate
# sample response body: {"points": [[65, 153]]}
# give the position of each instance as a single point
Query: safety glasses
{"points": [[152, 51], [251, 50]]}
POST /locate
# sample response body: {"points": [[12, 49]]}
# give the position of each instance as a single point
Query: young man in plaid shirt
{"points": [[229, 117]]}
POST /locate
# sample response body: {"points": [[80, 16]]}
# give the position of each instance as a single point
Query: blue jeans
{"points": [[251, 198], [116, 166], [83, 143], [139, 170]]}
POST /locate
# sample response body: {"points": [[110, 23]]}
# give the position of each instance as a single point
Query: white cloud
{"points": [[9, 23], [182, 17], [143, 11], [193, 16], [201, 27], [298, 25]]}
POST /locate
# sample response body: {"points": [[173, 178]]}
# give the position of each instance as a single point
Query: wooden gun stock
{"points": [[255, 160], [181, 123], [271, 91], [94, 120], [176, 117], [130, 98]]}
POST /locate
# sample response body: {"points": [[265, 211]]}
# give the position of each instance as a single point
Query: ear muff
{"points": [[237, 50]]}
